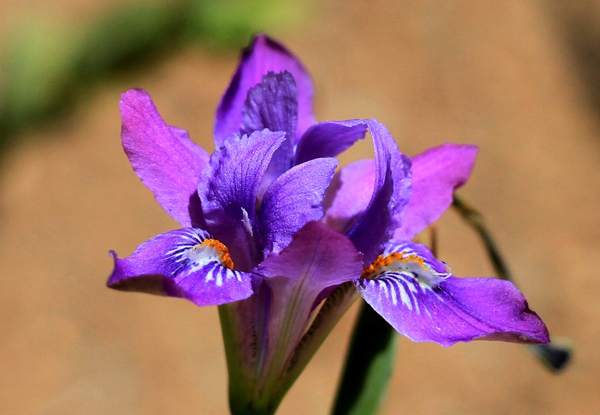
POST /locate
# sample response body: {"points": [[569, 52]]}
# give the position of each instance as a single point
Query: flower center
{"points": [[211, 250]]}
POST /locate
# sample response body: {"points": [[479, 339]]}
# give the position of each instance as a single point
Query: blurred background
{"points": [[519, 79]]}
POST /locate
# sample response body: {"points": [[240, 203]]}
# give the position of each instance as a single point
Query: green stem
{"points": [[368, 366], [246, 396]]}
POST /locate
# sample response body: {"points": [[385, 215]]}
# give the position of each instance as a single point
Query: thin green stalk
{"points": [[368, 366], [246, 396]]}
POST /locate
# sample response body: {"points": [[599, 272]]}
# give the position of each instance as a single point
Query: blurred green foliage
{"points": [[47, 66]]}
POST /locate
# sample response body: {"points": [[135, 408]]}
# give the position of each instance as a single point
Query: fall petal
{"points": [[185, 263]]}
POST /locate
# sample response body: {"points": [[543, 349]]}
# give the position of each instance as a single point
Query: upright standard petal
{"points": [[273, 104], [436, 173], [420, 298], [328, 139], [390, 194], [262, 56], [229, 188], [293, 200], [164, 157], [185, 263]]}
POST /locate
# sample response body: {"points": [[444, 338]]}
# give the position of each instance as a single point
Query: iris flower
{"points": [[284, 245]]}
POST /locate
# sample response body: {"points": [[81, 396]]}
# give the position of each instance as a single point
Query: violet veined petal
{"points": [[349, 194], [273, 104], [229, 188], [164, 157], [328, 139], [262, 56], [418, 296], [436, 173], [185, 263], [293, 200], [390, 194], [317, 258]]}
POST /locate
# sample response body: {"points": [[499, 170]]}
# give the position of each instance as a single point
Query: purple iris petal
{"points": [[328, 139], [350, 193], [435, 175], [262, 56], [417, 295], [390, 194], [164, 157], [273, 104], [293, 200], [229, 188], [184, 263], [317, 258]]}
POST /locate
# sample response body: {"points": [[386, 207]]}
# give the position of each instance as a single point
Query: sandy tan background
{"points": [[509, 76]]}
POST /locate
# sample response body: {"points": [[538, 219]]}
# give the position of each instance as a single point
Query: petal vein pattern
{"points": [[273, 105], [420, 298], [186, 263], [229, 189]]}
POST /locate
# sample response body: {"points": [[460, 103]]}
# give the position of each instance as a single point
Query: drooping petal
{"points": [[185, 263], [293, 200], [164, 157], [316, 259], [229, 188], [262, 56], [390, 194], [328, 139], [417, 295], [350, 192], [436, 173], [273, 104]]}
